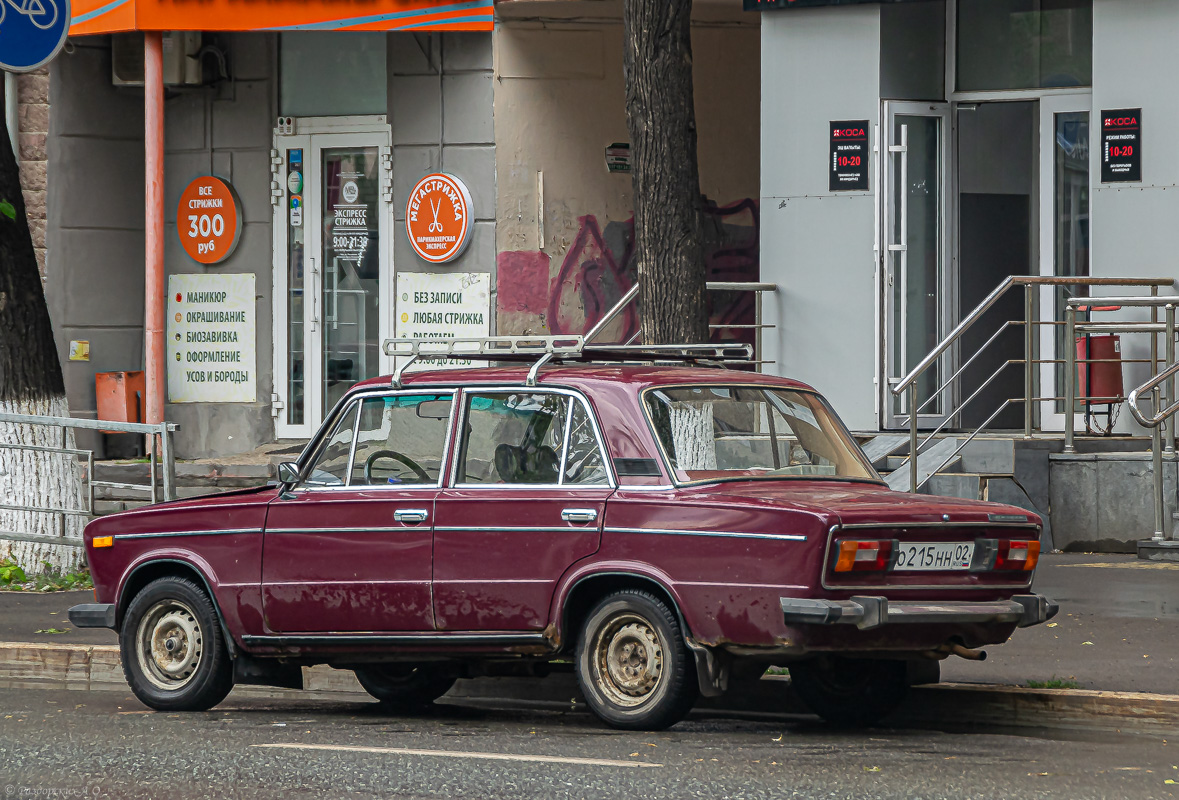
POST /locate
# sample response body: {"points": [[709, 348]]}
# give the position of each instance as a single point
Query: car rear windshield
{"points": [[719, 432]]}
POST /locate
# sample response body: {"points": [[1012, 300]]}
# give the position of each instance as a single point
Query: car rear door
{"points": [[527, 500], [348, 549]]}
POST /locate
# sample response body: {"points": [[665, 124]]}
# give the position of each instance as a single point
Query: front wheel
{"points": [[405, 687], [632, 663], [174, 657], [850, 692]]}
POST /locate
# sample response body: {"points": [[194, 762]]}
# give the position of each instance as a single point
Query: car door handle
{"points": [[411, 515], [579, 514]]}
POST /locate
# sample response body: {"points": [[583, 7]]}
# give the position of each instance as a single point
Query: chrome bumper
{"points": [[867, 613]]}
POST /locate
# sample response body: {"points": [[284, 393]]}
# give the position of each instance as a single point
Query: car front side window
{"points": [[400, 440], [330, 467]]}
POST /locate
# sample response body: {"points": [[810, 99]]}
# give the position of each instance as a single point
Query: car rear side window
{"points": [[529, 438]]}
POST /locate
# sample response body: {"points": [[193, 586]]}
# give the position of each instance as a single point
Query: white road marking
{"points": [[408, 751]]}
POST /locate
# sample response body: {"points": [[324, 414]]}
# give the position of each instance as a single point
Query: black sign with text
{"points": [[848, 162], [1121, 145]]}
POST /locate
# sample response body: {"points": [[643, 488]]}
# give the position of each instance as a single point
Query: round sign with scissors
{"points": [[438, 217]]}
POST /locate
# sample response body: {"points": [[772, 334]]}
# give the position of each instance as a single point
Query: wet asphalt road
{"points": [[104, 744]]}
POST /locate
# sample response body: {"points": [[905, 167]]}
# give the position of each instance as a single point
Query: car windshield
{"points": [[717, 432]]}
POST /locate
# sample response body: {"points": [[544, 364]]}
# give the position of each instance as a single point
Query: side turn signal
{"points": [[102, 541]]}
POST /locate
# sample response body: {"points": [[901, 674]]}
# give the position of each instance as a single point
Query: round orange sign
{"points": [[438, 217], [209, 219]]}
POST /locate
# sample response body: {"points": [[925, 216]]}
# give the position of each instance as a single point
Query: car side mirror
{"points": [[288, 472]]}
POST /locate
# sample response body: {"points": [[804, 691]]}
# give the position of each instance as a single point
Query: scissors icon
{"points": [[435, 226]]}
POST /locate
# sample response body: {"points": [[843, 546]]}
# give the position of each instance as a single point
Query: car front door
{"points": [[348, 549], [527, 501]]}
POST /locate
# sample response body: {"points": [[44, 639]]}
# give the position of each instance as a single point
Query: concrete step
{"points": [[936, 457], [881, 447], [963, 485], [989, 456]]}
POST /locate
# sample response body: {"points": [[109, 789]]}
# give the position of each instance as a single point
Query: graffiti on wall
{"points": [[599, 267]]}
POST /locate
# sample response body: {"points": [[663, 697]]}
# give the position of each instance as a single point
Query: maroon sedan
{"points": [[662, 528]]}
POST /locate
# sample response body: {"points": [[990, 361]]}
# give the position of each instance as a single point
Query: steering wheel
{"points": [[393, 454]]}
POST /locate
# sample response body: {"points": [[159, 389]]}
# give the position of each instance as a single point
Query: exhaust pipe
{"points": [[954, 649]]}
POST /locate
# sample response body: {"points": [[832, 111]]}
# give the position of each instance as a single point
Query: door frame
{"points": [[888, 273], [312, 135], [1074, 102]]}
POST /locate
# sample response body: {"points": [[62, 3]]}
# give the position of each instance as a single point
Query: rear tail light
{"points": [[864, 556], [1016, 555]]}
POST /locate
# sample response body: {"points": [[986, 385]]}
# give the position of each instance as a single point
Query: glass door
{"points": [[333, 275], [915, 276], [1064, 233]]}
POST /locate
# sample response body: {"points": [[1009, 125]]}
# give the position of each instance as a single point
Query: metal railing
{"points": [[166, 484], [1031, 285]]}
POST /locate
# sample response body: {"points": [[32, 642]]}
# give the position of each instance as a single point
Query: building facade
{"points": [[323, 136], [1021, 137]]}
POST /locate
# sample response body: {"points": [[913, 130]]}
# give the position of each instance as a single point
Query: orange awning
{"points": [[115, 16]]}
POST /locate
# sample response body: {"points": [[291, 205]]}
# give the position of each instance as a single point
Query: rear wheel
{"points": [[852, 692], [174, 657], [405, 687], [632, 664]]}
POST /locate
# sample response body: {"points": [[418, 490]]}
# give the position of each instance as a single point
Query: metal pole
{"points": [[630, 295], [168, 462], [913, 436], [1028, 361], [1156, 457], [1070, 375], [1168, 429], [153, 146]]}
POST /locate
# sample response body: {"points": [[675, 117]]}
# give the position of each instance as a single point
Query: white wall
{"points": [[1135, 62], [819, 65]]}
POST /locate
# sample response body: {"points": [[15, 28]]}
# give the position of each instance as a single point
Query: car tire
{"points": [[174, 656], [633, 666], [405, 687], [850, 692]]}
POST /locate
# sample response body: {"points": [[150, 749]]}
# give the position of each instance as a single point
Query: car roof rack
{"points": [[540, 350]]}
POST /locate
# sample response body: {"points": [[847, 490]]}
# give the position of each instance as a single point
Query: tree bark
{"points": [[661, 118], [31, 383]]}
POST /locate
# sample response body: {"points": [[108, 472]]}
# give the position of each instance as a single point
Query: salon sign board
{"points": [[438, 218], [211, 336], [209, 219], [451, 305]]}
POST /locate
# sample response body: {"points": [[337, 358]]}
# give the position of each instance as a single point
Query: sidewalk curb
{"points": [[948, 706]]}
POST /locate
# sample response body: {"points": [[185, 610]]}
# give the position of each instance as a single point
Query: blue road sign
{"points": [[31, 32]]}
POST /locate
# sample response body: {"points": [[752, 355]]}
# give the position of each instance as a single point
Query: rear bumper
{"points": [[868, 613], [93, 615]]}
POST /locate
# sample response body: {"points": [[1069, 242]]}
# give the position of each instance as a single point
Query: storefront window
{"points": [[1024, 44], [329, 73]]}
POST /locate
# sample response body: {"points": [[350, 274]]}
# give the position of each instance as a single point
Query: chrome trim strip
{"points": [[512, 528], [939, 524], [344, 640], [373, 529], [785, 537], [161, 534]]}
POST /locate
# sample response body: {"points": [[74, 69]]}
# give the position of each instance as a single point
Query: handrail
{"points": [[1160, 417], [999, 291], [1139, 300]]}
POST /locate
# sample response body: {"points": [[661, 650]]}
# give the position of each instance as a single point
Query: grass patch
{"points": [[50, 579], [1054, 683]]}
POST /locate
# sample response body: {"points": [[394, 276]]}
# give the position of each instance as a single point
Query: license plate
{"points": [[934, 556]]}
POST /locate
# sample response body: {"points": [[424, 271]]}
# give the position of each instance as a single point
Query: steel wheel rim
{"points": [[628, 660], [169, 645]]}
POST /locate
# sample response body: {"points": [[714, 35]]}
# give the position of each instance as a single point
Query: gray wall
{"points": [[440, 109], [1133, 231], [94, 269], [817, 246]]}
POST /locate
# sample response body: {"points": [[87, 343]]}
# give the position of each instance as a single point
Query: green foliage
{"points": [[8, 209], [50, 579], [53, 630], [11, 573], [1054, 683]]}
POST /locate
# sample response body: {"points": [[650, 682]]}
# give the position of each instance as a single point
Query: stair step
{"points": [[989, 456], [884, 445], [965, 486], [932, 460]]}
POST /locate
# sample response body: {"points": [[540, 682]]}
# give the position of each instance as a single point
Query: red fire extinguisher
{"points": [[1099, 371]]}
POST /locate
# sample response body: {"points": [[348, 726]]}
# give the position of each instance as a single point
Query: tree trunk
{"points": [[661, 118], [31, 383]]}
